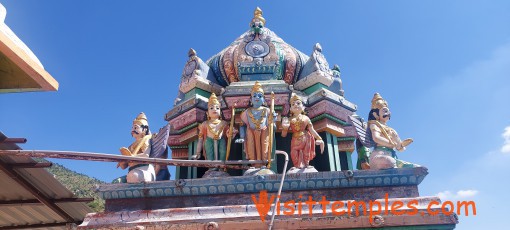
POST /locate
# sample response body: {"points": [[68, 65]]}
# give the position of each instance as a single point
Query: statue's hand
{"points": [[125, 151], [234, 133], [122, 165], [195, 157], [321, 144], [285, 123], [402, 145], [240, 141], [407, 142]]}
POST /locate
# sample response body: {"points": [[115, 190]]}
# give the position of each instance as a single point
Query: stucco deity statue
{"points": [[139, 148], [304, 136], [213, 133], [255, 133], [258, 22], [385, 138]]}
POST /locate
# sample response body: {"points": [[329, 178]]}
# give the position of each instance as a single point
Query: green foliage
{"points": [[81, 185]]}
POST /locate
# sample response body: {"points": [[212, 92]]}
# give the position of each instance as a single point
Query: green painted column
{"points": [[331, 152], [177, 172], [335, 151], [194, 169], [190, 153], [348, 157]]}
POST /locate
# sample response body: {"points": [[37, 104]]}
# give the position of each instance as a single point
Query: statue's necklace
{"points": [[297, 122], [216, 133], [215, 122], [257, 122]]}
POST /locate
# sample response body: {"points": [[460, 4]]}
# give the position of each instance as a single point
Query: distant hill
{"points": [[81, 185]]}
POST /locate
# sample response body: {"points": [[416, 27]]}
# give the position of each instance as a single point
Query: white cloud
{"points": [[459, 195], [506, 136]]}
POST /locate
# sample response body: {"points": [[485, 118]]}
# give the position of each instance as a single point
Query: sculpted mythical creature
{"points": [[304, 136], [385, 138]]}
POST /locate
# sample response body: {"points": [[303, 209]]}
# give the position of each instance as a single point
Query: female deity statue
{"points": [[211, 138], [255, 133], [304, 136]]}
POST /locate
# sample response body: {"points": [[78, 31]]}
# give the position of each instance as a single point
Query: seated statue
{"points": [[384, 139], [139, 148], [304, 136]]}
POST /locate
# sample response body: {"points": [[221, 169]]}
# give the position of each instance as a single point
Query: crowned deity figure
{"points": [[304, 136], [255, 133], [212, 133], [139, 148], [384, 138]]}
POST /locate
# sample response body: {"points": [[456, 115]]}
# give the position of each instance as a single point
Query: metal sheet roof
{"points": [[21, 208]]}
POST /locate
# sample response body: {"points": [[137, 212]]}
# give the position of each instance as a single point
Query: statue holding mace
{"points": [[212, 133]]}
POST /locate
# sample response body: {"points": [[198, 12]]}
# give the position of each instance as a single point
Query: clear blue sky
{"points": [[443, 66]]}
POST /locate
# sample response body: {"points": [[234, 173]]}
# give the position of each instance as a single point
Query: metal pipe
{"points": [[281, 186], [239, 164], [14, 140]]}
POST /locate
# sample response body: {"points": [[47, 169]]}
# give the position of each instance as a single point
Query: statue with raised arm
{"points": [[384, 138], [212, 134], [304, 136], [255, 133], [139, 148]]}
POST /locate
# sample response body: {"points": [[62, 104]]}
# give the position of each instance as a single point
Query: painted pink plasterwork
{"points": [[329, 108], [187, 118], [243, 102]]}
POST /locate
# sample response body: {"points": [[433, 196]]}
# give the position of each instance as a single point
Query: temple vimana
{"points": [[263, 136]]}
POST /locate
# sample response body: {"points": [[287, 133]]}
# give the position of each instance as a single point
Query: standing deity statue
{"points": [[255, 133], [139, 148], [212, 133], [304, 136], [384, 138]]}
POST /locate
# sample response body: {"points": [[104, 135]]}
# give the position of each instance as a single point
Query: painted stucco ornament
{"points": [[258, 22], [384, 138], [139, 148], [255, 131], [213, 133], [304, 136]]}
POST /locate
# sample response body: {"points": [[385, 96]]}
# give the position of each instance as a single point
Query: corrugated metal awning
{"points": [[31, 197]]}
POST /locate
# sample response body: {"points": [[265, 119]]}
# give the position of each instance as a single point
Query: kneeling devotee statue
{"points": [[304, 136], [384, 138], [139, 148]]}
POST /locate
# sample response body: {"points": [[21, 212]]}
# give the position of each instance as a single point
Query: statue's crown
{"points": [[257, 14], [295, 98], [378, 102], [257, 88], [141, 119], [213, 100], [192, 52]]}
